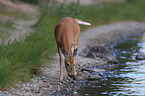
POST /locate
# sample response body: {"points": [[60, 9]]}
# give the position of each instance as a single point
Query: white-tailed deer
{"points": [[67, 38]]}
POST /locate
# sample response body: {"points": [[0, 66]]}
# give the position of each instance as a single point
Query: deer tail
{"points": [[82, 22]]}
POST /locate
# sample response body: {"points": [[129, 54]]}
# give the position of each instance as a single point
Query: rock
{"points": [[100, 52], [74, 92], [98, 70], [112, 59], [140, 56], [89, 74], [88, 70], [92, 70], [93, 77]]}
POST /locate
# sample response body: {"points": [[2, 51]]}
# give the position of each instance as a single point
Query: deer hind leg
{"points": [[61, 61]]}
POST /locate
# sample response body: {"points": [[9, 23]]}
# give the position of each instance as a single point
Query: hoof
{"points": [[68, 77], [60, 82], [74, 81]]}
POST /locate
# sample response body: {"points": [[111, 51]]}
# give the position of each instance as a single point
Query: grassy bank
{"points": [[111, 12], [6, 29], [20, 60]]}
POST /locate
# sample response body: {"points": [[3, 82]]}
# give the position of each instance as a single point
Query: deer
{"points": [[67, 32]]}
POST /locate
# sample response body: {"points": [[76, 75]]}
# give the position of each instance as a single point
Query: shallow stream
{"points": [[127, 79]]}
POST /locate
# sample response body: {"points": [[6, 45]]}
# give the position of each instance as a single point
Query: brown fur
{"points": [[67, 33]]}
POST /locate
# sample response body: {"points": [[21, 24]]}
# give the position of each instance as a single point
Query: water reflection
{"points": [[126, 80]]}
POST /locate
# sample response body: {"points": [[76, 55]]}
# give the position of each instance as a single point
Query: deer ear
{"points": [[75, 52]]}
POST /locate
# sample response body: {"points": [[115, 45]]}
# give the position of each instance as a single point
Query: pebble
{"points": [[75, 92], [98, 70]]}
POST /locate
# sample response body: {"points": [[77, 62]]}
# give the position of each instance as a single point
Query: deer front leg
{"points": [[61, 61], [74, 77], [61, 68]]}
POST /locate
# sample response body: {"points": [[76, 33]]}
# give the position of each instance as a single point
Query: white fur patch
{"points": [[84, 23]]}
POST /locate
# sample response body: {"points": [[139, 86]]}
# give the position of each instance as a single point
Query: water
{"points": [[128, 79]]}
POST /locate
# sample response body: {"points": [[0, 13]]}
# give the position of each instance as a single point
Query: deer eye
{"points": [[75, 52], [68, 64]]}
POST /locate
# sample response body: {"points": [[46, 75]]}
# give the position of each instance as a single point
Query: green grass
{"points": [[20, 60], [112, 12], [6, 29]]}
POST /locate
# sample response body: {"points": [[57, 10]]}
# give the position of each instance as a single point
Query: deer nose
{"points": [[71, 73]]}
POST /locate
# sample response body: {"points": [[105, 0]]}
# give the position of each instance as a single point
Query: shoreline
{"points": [[106, 35], [48, 83]]}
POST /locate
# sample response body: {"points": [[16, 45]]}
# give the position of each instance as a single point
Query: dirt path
{"points": [[23, 29], [105, 35], [48, 83], [89, 2], [22, 23]]}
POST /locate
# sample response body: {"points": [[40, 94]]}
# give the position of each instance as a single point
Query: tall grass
{"points": [[111, 12], [6, 29], [20, 60]]}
